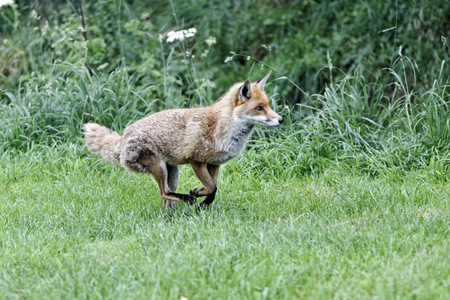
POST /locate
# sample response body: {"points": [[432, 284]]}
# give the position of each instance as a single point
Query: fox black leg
{"points": [[207, 201], [184, 197]]}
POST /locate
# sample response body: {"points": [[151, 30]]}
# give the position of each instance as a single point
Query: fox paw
{"points": [[191, 199], [195, 192], [207, 201]]}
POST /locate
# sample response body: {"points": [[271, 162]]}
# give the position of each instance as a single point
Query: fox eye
{"points": [[259, 108]]}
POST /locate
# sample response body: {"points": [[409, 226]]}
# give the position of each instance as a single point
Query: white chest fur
{"points": [[234, 141]]}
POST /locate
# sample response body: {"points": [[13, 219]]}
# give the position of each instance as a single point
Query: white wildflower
{"points": [[180, 35], [211, 41], [6, 2], [33, 14], [229, 58], [268, 48], [173, 35], [192, 32], [205, 53]]}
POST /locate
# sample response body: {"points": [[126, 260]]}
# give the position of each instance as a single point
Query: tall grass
{"points": [[370, 125], [364, 124]]}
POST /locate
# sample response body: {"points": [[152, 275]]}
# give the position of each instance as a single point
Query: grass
{"points": [[348, 199], [75, 227]]}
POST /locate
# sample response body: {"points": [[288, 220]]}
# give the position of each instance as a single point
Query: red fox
{"points": [[203, 137]]}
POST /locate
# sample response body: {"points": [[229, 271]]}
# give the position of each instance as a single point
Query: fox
{"points": [[204, 137]]}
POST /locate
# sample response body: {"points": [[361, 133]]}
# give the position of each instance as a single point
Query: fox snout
{"points": [[272, 118], [274, 122]]}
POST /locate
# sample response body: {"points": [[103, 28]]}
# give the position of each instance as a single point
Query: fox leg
{"points": [[159, 170], [202, 172], [213, 171], [173, 174]]}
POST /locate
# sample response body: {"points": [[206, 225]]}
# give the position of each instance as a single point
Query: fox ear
{"points": [[262, 81], [245, 91]]}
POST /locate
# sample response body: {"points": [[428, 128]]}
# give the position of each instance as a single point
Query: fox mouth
{"points": [[271, 122], [266, 122]]}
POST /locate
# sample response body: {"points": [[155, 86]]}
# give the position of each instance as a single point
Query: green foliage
{"points": [[298, 38]]}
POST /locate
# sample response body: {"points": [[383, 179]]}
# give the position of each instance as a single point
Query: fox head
{"points": [[251, 104]]}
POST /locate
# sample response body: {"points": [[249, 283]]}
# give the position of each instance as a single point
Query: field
{"points": [[348, 199], [77, 228]]}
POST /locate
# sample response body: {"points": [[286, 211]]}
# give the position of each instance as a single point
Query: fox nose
{"points": [[280, 120]]}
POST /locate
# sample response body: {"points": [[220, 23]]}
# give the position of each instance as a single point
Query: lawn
{"points": [[75, 227]]}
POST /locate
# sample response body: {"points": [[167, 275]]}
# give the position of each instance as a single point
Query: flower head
{"points": [[179, 35], [6, 2]]}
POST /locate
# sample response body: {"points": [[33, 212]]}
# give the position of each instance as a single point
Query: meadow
{"points": [[348, 199]]}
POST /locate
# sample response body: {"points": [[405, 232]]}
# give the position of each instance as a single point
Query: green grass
{"points": [[348, 199], [74, 227]]}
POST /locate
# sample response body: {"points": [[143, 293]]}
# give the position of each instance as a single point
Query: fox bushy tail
{"points": [[103, 142]]}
